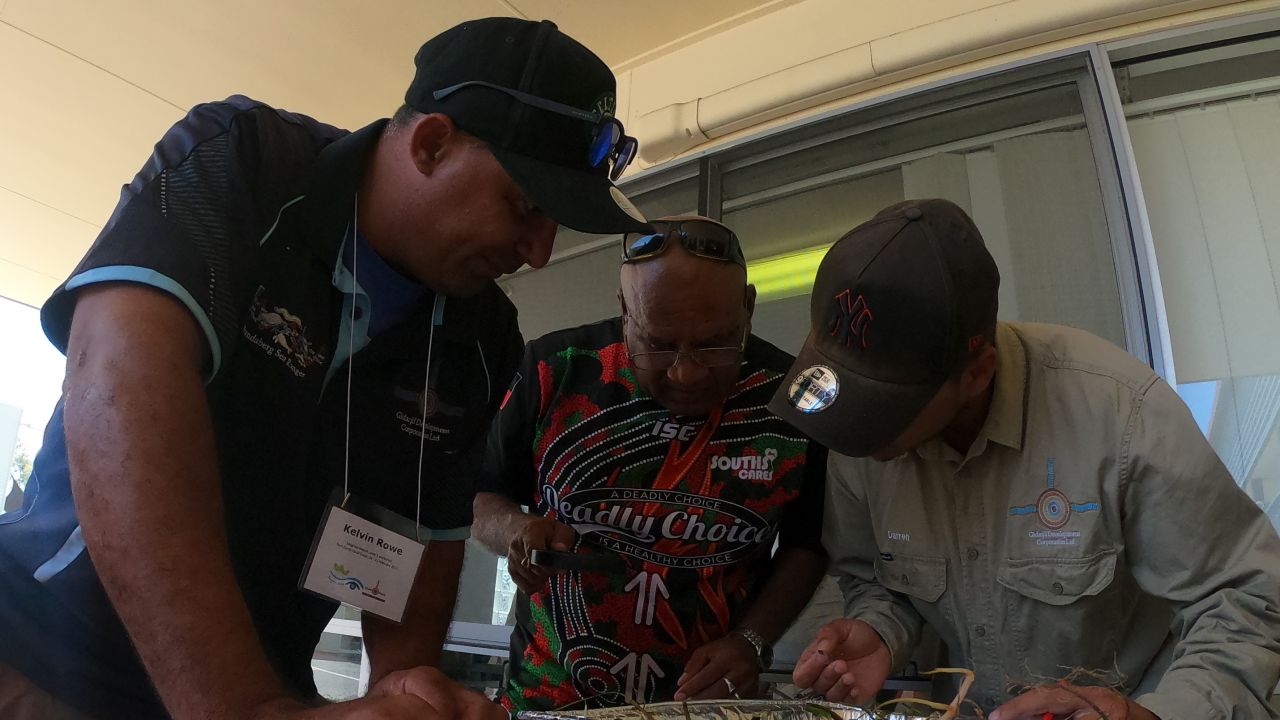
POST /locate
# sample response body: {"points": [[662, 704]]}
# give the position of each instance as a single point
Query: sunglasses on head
{"points": [[704, 238], [609, 141]]}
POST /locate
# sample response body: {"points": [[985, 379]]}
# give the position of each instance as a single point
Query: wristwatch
{"points": [[764, 651]]}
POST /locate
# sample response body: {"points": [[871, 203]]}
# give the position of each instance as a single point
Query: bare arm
{"points": [[795, 576], [727, 665], [510, 532], [141, 450], [418, 641], [498, 519]]}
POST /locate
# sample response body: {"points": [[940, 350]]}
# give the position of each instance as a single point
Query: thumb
{"points": [[831, 636], [562, 536]]}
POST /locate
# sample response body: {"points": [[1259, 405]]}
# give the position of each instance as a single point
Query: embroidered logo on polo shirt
{"points": [[431, 417], [1054, 510], [281, 335]]}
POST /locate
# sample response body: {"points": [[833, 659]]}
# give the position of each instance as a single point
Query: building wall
{"points": [[820, 54]]}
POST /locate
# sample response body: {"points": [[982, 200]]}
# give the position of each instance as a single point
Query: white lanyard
{"points": [[436, 306], [355, 559]]}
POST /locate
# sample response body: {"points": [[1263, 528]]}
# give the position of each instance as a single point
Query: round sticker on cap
{"points": [[814, 389], [626, 205]]}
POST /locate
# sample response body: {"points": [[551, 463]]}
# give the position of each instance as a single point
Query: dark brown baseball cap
{"points": [[897, 305]]}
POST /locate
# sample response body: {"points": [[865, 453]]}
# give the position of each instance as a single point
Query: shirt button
{"points": [[980, 631], [972, 554], [906, 580], [1057, 588]]}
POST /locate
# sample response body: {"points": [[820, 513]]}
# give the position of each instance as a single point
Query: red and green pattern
{"points": [[695, 548]]}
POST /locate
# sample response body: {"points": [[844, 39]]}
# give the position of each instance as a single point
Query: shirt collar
{"points": [[1006, 418]]}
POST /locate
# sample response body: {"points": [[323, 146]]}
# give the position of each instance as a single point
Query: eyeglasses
{"points": [[609, 141], [704, 238], [712, 357]]}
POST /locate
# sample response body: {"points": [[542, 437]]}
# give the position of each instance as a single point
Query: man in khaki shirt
{"points": [[1041, 498]]}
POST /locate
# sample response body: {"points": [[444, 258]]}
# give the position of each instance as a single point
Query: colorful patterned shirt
{"points": [[691, 507]]}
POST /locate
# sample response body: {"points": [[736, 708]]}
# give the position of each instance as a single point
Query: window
{"points": [[340, 666], [1205, 127], [30, 384], [1015, 150]]}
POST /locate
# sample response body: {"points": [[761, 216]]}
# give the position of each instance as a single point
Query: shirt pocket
{"points": [[1052, 600], [1059, 581], [921, 577]]}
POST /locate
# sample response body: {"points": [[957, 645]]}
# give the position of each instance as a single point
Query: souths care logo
{"points": [[281, 334], [747, 467], [665, 527]]}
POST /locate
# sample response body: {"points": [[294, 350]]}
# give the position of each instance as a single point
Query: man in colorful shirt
{"points": [[645, 439]]}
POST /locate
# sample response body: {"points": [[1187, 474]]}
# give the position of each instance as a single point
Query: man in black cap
{"points": [[284, 348], [1040, 497]]}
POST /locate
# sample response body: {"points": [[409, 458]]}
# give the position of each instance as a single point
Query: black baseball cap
{"points": [[898, 304], [545, 152]]}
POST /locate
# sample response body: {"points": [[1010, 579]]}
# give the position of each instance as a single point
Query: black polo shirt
{"points": [[241, 214]]}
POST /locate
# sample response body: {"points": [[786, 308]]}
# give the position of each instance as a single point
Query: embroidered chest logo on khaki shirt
{"points": [[1054, 510]]}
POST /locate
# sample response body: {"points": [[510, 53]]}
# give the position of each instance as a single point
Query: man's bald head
{"points": [[676, 267], [676, 300]]}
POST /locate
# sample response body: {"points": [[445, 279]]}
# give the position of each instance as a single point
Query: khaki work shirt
{"points": [[1090, 525]]}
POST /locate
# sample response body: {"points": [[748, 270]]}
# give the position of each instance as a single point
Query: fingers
{"points": [[395, 707], [538, 534], [561, 536], [810, 665], [1075, 702], [820, 653], [846, 690], [699, 683], [426, 683], [382, 703], [697, 661], [528, 577], [476, 706], [425, 693]]}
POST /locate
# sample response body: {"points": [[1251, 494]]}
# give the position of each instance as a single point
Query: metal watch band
{"points": [[762, 647]]}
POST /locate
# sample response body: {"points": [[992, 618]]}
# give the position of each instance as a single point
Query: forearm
{"points": [[144, 476], [891, 616], [498, 519], [795, 576], [1227, 661], [420, 638]]}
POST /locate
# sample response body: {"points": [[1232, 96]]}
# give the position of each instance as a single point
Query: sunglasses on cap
{"points": [[704, 238], [609, 141]]}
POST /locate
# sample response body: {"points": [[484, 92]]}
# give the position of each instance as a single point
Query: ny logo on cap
{"points": [[853, 318]]}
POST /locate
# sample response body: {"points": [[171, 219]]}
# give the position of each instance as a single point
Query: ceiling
{"points": [[87, 86]]}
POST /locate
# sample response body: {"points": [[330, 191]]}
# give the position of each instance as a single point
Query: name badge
{"points": [[361, 563]]}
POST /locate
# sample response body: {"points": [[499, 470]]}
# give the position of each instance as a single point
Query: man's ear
{"points": [[980, 371], [750, 299], [429, 138], [622, 302]]}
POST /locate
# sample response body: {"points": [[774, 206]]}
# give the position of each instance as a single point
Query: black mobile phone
{"points": [[582, 562]]}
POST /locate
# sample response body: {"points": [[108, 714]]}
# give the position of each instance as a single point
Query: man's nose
{"points": [[686, 371], [538, 241]]}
